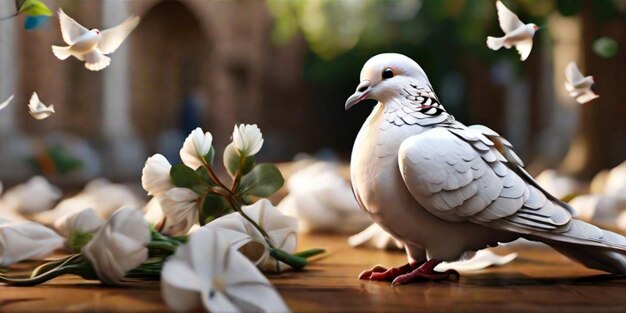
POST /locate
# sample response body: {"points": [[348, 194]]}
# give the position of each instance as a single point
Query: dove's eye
{"points": [[387, 73]]}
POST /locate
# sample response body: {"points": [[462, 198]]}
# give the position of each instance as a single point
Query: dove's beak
{"points": [[361, 93]]}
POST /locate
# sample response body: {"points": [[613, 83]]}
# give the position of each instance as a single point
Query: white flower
{"points": [[26, 240], [83, 221], [99, 194], [322, 200], [248, 139], [245, 237], [196, 146], [180, 208], [34, 196], [208, 272], [155, 177], [119, 245]]}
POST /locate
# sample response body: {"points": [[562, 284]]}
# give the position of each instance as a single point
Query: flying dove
{"points": [[445, 189], [516, 33], [37, 109], [93, 45], [579, 86]]}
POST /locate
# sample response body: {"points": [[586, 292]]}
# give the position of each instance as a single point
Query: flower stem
{"points": [[162, 245], [229, 195], [54, 264], [242, 161], [76, 269]]}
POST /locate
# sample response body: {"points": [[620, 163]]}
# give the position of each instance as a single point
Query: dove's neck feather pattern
{"points": [[415, 105]]}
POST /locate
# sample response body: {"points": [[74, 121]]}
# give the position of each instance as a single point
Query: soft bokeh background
{"points": [[288, 66]]}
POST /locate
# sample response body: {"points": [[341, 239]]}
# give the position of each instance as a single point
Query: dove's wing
{"points": [[70, 29], [508, 20], [112, 38], [573, 74], [524, 47], [461, 174], [34, 102], [5, 103]]}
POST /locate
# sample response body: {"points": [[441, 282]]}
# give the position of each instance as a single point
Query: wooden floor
{"points": [[540, 280]]}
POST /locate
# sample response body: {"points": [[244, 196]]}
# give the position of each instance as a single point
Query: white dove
{"points": [[39, 110], [6, 102], [579, 86], [516, 33], [445, 189], [92, 45]]}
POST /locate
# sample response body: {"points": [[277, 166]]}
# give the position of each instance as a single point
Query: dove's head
{"points": [[96, 32], [386, 77]]}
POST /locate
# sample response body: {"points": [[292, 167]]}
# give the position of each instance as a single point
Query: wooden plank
{"points": [[539, 280]]}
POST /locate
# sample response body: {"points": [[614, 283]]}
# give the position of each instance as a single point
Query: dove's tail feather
{"points": [[590, 245], [61, 53], [586, 97], [96, 61], [495, 43]]}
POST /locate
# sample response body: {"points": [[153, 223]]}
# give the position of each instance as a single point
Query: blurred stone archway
{"points": [[169, 61]]}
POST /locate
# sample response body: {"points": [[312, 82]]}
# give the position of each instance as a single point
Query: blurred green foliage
{"points": [[443, 36]]}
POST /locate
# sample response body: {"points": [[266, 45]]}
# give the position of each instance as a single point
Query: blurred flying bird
{"points": [[91, 46], [5, 103], [579, 86], [516, 33], [39, 110], [446, 190]]}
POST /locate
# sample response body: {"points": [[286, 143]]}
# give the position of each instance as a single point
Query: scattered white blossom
{"points": [[209, 272], [180, 208], [119, 245]]}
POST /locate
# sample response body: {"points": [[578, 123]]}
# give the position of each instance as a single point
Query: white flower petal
{"points": [[84, 221], [483, 259], [119, 245], [248, 139], [180, 286], [281, 229], [155, 177], [34, 196], [375, 237], [180, 210], [229, 282], [195, 147], [322, 200], [26, 240]]}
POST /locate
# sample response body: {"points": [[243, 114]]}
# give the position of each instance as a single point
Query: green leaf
{"points": [[183, 176], [78, 240], [232, 160], [214, 206], [263, 181], [292, 260], [309, 253], [35, 7]]}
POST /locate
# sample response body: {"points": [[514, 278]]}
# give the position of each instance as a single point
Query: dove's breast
{"points": [[376, 179], [85, 43]]}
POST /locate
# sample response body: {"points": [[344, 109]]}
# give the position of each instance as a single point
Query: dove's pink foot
{"points": [[380, 273], [426, 272]]}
